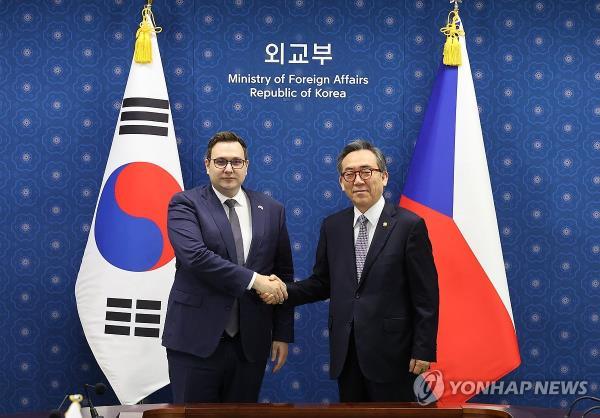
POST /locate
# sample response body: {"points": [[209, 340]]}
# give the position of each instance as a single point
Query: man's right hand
{"points": [[270, 285]]}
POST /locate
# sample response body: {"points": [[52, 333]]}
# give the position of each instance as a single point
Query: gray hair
{"points": [[361, 144]]}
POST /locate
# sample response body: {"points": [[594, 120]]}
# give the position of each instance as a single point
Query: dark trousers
{"points": [[225, 376], [355, 387]]}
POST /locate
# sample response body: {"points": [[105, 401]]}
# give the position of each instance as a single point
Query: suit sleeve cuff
{"points": [[251, 281]]}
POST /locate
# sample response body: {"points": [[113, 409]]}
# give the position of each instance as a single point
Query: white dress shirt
{"points": [[372, 214], [244, 212]]}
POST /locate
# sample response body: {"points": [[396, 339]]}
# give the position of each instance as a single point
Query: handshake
{"points": [[270, 289]]}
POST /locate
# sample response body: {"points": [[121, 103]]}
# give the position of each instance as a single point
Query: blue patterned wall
{"points": [[63, 69]]}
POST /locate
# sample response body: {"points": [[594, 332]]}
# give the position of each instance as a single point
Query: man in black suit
{"points": [[227, 241], [375, 263]]}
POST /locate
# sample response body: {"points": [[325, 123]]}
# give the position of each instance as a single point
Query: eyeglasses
{"points": [[364, 173], [236, 163]]}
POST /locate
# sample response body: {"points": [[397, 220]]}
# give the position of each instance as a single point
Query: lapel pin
{"points": [[260, 207], [385, 224]]}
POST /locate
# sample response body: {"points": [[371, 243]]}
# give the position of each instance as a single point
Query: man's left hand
{"points": [[418, 366], [279, 352]]}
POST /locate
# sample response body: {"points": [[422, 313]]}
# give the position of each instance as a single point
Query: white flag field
{"points": [[128, 264]]}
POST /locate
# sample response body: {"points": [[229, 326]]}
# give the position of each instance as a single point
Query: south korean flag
{"points": [[128, 264]]}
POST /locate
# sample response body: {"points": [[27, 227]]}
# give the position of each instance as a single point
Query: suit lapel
{"points": [[343, 241], [382, 232], [257, 213], [220, 217]]}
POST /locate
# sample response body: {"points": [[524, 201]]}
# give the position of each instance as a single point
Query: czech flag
{"points": [[448, 184]]}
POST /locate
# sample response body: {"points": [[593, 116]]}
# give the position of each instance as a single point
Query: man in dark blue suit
{"points": [[227, 241], [375, 263]]}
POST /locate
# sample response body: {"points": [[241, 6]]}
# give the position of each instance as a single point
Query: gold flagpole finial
{"points": [[453, 30], [143, 45]]}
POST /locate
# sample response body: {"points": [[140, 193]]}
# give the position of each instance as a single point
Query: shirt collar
{"points": [[239, 197], [372, 214]]}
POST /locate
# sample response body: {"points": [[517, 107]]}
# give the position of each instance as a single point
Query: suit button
{"points": [[357, 296], [228, 308]]}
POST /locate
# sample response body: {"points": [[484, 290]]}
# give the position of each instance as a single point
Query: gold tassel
{"points": [[452, 30], [143, 45]]}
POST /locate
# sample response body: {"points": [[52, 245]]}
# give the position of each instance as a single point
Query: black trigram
{"points": [[161, 128], [143, 321]]}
